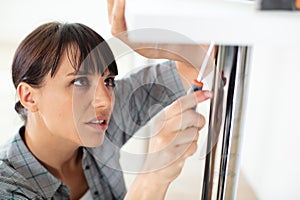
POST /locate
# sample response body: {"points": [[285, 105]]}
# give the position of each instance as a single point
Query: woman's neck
{"points": [[59, 156]]}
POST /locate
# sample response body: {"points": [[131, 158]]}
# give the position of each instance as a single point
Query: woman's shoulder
{"points": [[5, 148], [13, 184], [12, 145]]}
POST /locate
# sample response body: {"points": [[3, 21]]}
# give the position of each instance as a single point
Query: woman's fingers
{"points": [[186, 137], [171, 142], [118, 22], [186, 102], [175, 135], [166, 150], [180, 115], [186, 150], [110, 5], [189, 118]]}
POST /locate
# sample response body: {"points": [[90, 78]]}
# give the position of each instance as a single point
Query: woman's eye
{"points": [[109, 82], [81, 82]]}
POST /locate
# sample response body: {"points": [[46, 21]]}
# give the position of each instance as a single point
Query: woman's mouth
{"points": [[98, 124], [98, 121]]}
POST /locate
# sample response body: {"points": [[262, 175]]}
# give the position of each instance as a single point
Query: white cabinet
{"points": [[225, 22]]}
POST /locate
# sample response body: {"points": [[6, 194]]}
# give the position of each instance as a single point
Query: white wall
{"points": [[10, 121], [18, 18], [271, 144]]}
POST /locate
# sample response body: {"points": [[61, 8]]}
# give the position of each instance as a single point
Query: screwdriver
{"points": [[197, 84]]}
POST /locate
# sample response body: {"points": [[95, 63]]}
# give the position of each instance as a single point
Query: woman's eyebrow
{"points": [[76, 73], [107, 72]]}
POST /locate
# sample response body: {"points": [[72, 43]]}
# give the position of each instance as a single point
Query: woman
{"points": [[67, 149]]}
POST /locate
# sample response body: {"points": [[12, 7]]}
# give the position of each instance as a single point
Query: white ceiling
{"points": [[18, 17]]}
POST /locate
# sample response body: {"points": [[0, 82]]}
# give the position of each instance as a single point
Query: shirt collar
{"points": [[37, 176]]}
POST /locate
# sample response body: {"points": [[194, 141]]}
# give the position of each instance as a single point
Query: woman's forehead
{"points": [[88, 62], [66, 68]]}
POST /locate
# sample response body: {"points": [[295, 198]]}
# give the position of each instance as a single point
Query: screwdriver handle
{"points": [[196, 85]]}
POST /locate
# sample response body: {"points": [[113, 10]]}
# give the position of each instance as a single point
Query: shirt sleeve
{"points": [[140, 96]]}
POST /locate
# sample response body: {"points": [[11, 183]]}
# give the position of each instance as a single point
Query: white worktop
{"points": [[225, 22]]}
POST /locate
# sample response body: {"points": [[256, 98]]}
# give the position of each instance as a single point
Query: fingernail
{"points": [[208, 94]]}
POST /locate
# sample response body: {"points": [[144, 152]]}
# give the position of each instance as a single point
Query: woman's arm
{"points": [[188, 57], [174, 138]]}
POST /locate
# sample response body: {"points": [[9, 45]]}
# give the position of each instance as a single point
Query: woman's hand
{"points": [[116, 16], [175, 134], [190, 54]]}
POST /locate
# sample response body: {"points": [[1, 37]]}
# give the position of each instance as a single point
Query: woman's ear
{"points": [[27, 95]]}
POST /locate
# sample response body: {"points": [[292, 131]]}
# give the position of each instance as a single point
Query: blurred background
{"points": [[269, 163]]}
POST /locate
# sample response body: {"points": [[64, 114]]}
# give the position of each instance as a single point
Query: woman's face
{"points": [[76, 106]]}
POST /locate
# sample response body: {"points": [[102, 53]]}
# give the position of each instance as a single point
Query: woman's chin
{"points": [[92, 140]]}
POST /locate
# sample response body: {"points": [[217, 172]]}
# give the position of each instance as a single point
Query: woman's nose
{"points": [[102, 97]]}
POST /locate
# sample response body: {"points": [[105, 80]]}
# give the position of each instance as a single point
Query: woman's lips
{"points": [[98, 124]]}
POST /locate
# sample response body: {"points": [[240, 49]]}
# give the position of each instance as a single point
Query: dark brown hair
{"points": [[40, 52]]}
